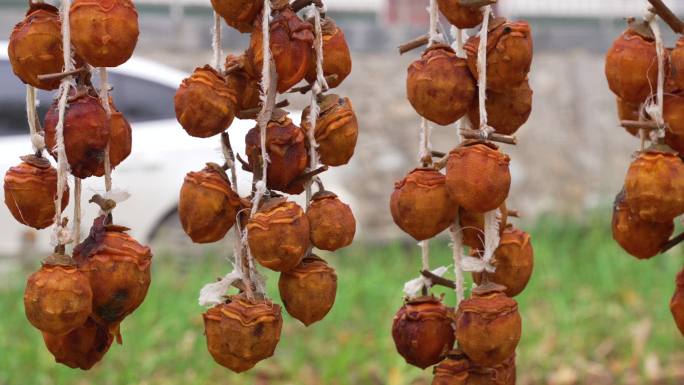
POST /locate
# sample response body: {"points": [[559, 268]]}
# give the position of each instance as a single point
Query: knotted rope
{"points": [[61, 236], [482, 73], [655, 107], [319, 85]]}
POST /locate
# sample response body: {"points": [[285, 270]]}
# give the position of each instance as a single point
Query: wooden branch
{"points": [[308, 175], [672, 243], [437, 280], [438, 154], [665, 13], [253, 113], [646, 125], [476, 3], [308, 87], [245, 165], [413, 44], [514, 213], [494, 137], [61, 75]]}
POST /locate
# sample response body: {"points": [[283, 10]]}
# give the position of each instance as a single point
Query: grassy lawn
{"points": [[591, 315]]}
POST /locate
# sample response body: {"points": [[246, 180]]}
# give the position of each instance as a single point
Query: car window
{"points": [[140, 100]]}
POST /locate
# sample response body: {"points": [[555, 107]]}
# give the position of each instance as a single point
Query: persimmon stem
{"points": [[672, 243]]}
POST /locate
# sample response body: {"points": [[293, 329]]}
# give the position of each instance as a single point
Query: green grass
{"points": [[580, 313]]}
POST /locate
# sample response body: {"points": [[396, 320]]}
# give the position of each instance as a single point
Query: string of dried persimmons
{"points": [[645, 210], [244, 328], [483, 82], [77, 302]]}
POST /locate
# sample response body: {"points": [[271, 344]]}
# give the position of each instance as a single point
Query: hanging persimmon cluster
{"points": [[484, 83], [648, 79], [284, 158], [77, 302]]}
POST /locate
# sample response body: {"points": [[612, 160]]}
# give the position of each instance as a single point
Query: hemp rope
{"points": [[655, 108], [37, 139], [455, 229], [319, 85], [482, 73], [216, 42], [269, 83], [492, 219], [62, 236]]}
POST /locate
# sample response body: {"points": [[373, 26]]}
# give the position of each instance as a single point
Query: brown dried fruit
{"points": [[421, 205], [640, 238], [120, 141], [472, 226], [291, 48], [31, 190], [240, 333], [337, 130], [509, 54], [677, 64], [308, 291], [488, 326], [245, 88], [118, 268], [332, 222], [654, 186], [205, 105], [336, 55], [58, 297], [628, 111], [208, 206], [86, 134], [677, 302], [423, 332], [439, 86], [513, 260], [676, 142], [673, 113], [35, 46], [502, 374], [507, 111], [478, 176], [239, 14], [104, 32], [286, 148], [278, 235], [82, 348], [461, 16], [632, 67], [453, 370]]}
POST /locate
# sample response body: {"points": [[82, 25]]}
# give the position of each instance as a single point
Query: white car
{"points": [[162, 152]]}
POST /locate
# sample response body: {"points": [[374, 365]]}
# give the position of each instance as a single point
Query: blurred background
{"points": [[592, 314]]}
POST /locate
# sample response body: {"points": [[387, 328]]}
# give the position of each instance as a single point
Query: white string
{"points": [[318, 86], [492, 238], [434, 36], [482, 72], [216, 42], [457, 255], [655, 107], [37, 139], [269, 82], [425, 151], [76, 230], [458, 43], [61, 235]]}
